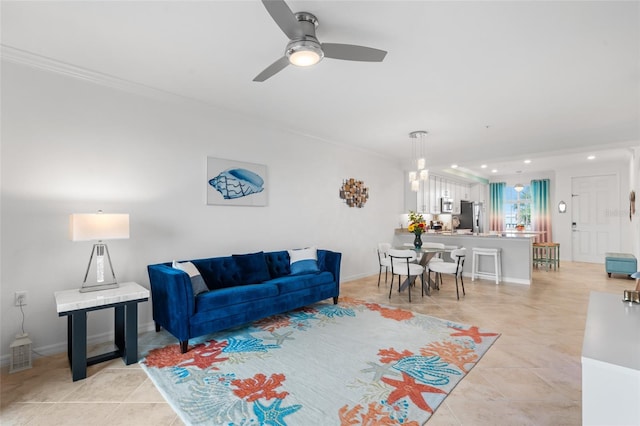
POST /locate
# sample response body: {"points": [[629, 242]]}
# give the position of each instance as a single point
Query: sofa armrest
{"points": [[330, 261], [172, 299]]}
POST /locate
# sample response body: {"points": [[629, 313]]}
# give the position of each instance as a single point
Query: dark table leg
{"points": [[69, 339], [78, 339], [120, 341], [131, 334]]}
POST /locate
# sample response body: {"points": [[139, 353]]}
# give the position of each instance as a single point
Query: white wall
{"points": [[634, 184], [560, 189], [562, 222], [70, 146]]}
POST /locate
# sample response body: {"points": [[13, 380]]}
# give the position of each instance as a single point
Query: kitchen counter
{"points": [[516, 251], [505, 234]]}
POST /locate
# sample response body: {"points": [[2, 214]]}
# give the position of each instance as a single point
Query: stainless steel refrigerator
{"points": [[471, 216]]}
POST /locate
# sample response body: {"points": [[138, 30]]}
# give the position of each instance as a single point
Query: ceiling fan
{"points": [[303, 48]]}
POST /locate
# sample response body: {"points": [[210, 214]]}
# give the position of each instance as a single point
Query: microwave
{"points": [[446, 205]]}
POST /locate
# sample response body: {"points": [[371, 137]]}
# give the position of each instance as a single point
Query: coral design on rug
{"points": [[347, 364]]}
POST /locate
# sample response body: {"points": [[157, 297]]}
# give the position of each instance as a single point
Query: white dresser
{"points": [[611, 362]]}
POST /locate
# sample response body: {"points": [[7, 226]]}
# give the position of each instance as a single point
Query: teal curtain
{"points": [[496, 198], [540, 210]]}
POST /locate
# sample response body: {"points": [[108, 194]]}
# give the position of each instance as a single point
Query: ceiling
{"points": [[492, 82]]}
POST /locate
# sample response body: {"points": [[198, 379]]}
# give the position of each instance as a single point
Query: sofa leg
{"points": [[335, 300], [184, 345], [157, 327]]}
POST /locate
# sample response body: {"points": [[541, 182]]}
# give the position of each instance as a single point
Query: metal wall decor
{"points": [[354, 193]]}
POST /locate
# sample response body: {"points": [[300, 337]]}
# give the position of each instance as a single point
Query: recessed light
{"points": [[527, 161], [454, 166], [484, 166], [591, 157], [494, 171]]}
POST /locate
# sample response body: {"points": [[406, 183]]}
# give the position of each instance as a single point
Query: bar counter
{"points": [[516, 251]]}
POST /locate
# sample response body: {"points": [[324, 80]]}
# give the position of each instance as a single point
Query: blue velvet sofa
{"points": [[239, 289]]}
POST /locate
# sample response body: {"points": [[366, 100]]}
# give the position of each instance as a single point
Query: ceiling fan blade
{"points": [[351, 52], [284, 17], [272, 69]]}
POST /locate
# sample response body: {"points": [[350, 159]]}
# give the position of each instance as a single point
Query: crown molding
{"points": [[33, 60]]}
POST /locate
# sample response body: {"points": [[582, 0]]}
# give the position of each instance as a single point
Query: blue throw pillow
{"points": [[197, 283], [253, 267], [304, 261]]}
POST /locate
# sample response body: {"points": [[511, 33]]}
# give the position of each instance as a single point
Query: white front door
{"points": [[595, 219]]}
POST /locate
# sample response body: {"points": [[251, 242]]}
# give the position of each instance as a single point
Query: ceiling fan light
{"points": [[304, 53]]}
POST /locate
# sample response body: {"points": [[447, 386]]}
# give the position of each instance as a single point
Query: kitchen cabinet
{"points": [[427, 199]]}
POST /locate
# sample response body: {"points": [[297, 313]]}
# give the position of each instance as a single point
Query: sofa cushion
{"points": [[304, 261], [293, 283], [241, 295], [197, 282], [253, 267], [219, 272], [278, 263]]}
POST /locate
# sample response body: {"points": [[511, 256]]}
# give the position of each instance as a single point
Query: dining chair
{"points": [[438, 256], [451, 268], [402, 263], [417, 254], [383, 260]]}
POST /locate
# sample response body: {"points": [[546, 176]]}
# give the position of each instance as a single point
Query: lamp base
{"points": [[97, 287], [99, 250]]}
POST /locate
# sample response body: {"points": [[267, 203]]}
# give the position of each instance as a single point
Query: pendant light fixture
{"points": [[418, 159]]}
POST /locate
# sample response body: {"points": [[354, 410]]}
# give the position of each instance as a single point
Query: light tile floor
{"points": [[531, 375]]}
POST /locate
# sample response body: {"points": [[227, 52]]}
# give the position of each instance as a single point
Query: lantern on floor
{"points": [[20, 353]]}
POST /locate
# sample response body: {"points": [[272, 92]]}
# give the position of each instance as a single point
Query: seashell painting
{"points": [[236, 183]]}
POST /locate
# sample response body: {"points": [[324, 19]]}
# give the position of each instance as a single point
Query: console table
{"points": [[75, 305], [611, 362]]}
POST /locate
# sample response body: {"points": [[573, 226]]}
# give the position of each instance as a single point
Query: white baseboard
{"points": [[48, 350]]}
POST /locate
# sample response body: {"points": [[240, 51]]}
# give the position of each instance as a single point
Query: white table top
{"points": [[612, 332], [72, 300]]}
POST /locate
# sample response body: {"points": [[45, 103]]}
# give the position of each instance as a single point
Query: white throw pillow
{"points": [[197, 282], [304, 261]]}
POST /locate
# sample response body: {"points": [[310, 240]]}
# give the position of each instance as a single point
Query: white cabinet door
{"points": [[457, 196], [434, 198]]}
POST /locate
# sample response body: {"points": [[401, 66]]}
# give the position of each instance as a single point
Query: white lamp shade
{"points": [[98, 226]]}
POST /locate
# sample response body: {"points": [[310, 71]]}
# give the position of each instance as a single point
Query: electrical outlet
{"points": [[20, 298]]}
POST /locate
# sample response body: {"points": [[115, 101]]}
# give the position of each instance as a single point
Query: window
{"points": [[516, 207]]}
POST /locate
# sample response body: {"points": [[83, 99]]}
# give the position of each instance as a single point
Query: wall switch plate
{"points": [[20, 298]]}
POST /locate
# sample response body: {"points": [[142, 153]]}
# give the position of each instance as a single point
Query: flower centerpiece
{"points": [[417, 226]]}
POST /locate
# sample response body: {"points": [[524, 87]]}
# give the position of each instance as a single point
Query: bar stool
{"points": [[547, 254], [497, 262], [539, 254]]}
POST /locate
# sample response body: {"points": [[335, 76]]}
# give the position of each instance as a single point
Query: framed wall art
{"points": [[236, 183]]}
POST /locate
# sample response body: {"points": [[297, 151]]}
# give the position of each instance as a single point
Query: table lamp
{"points": [[99, 226]]}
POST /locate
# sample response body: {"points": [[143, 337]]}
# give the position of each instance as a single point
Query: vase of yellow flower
{"points": [[417, 226]]}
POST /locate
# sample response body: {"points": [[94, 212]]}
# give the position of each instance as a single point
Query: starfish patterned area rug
{"points": [[347, 364]]}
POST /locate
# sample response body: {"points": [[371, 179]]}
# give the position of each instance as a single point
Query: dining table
{"points": [[427, 253]]}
